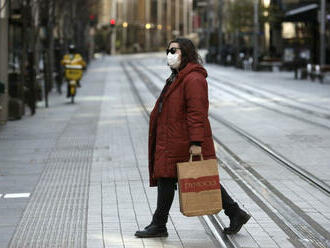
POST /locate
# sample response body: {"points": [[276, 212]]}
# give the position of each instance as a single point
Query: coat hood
{"points": [[192, 67]]}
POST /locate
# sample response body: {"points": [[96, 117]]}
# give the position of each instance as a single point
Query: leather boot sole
{"points": [[143, 234]]}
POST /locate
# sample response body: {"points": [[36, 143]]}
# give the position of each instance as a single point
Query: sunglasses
{"points": [[172, 50]]}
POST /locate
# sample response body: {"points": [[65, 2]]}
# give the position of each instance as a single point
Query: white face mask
{"points": [[173, 60]]}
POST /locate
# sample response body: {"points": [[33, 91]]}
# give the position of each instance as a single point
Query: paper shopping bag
{"points": [[199, 187]]}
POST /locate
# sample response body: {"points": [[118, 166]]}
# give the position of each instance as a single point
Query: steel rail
{"points": [[296, 227], [273, 109], [322, 108], [255, 93]]}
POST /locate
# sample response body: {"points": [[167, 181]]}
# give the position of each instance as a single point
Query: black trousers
{"points": [[166, 188]]}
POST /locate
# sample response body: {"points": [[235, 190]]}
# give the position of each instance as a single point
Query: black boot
{"points": [[152, 231], [237, 220]]}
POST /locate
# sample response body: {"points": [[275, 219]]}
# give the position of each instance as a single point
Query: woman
{"points": [[178, 127]]}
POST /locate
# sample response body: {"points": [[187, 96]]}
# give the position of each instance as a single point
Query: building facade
{"points": [[143, 25], [286, 30]]}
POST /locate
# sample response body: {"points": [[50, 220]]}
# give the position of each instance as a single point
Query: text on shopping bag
{"points": [[199, 184]]}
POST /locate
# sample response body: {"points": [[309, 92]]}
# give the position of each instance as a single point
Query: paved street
{"points": [[77, 176]]}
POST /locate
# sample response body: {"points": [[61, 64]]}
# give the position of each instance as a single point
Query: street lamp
{"points": [[266, 3], [125, 24], [148, 26]]}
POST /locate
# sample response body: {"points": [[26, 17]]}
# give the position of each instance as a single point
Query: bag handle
{"points": [[191, 156]]}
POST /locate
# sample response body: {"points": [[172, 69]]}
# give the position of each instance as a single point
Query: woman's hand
{"points": [[195, 150]]}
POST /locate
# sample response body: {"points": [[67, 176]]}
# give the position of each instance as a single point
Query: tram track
{"points": [[279, 111], [264, 97], [291, 218], [274, 93]]}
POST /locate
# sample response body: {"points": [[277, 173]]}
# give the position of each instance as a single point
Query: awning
{"points": [[301, 9]]}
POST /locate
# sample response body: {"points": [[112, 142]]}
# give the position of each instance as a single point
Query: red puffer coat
{"points": [[183, 119]]}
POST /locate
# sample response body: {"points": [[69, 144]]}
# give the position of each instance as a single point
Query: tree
{"points": [[238, 25], [239, 16], [45, 17]]}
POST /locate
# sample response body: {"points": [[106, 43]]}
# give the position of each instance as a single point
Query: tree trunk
{"points": [[4, 61], [50, 47]]}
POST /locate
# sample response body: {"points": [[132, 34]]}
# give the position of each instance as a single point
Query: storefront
{"points": [[301, 34]]}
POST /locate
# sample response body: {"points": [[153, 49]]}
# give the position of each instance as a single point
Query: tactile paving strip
{"points": [[56, 215]]}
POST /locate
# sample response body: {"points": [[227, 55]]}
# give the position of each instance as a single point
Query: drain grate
{"points": [[56, 215]]}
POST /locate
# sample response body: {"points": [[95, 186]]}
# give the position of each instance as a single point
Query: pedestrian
{"points": [[178, 127], [30, 93]]}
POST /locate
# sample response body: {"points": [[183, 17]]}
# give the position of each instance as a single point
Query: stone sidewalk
{"points": [[77, 175], [120, 200]]}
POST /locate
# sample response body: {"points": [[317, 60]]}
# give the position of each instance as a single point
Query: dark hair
{"points": [[189, 53]]}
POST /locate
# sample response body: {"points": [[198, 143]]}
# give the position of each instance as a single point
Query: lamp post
{"points": [[191, 14], [147, 25], [220, 6], [113, 30], [322, 32], [125, 24], [208, 22], [266, 25], [185, 17], [147, 31], [256, 36], [124, 29], [168, 20], [159, 21], [177, 16]]}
